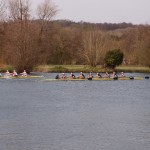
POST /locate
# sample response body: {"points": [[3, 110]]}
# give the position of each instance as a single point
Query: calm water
{"points": [[81, 115]]}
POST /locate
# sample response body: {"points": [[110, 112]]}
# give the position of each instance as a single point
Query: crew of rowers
{"points": [[7, 74], [82, 76]]}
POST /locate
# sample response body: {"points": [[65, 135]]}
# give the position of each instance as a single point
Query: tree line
{"points": [[27, 41]]}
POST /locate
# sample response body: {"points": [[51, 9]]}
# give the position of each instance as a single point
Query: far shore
{"points": [[81, 68], [86, 69]]}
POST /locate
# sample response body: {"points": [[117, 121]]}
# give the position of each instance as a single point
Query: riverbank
{"points": [[81, 68], [86, 68]]}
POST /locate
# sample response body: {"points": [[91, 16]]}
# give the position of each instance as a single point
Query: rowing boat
{"points": [[20, 77], [96, 79], [66, 79]]}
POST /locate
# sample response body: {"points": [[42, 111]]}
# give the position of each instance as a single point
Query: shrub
{"points": [[113, 58]]}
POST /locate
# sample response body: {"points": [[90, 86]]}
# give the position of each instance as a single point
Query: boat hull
{"points": [[94, 79], [20, 77]]}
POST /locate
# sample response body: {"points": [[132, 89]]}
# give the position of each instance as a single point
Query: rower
{"points": [[107, 75], [72, 75], [114, 75], [7, 73], [24, 74], [81, 76], [57, 76], [122, 74], [98, 75], [15, 74], [63, 75], [90, 75]]}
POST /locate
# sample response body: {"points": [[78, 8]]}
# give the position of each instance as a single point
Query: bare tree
{"points": [[19, 9], [22, 45], [92, 46], [2, 9], [143, 45], [46, 11], [2, 27]]}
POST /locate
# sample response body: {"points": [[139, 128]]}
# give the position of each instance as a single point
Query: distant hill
{"points": [[101, 26]]}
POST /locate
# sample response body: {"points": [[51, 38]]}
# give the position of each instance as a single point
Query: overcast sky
{"points": [[100, 11]]}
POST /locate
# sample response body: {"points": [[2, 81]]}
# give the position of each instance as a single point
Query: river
{"points": [[74, 115]]}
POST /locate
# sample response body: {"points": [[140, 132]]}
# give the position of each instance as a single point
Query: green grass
{"points": [[133, 69], [87, 68], [66, 68], [79, 68], [6, 67]]}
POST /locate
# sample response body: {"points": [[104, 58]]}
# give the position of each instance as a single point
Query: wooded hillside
{"points": [[26, 42]]}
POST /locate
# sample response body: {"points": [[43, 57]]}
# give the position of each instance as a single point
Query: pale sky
{"points": [[100, 11]]}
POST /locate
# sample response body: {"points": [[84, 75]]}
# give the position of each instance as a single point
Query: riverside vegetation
{"points": [[81, 68], [26, 43], [87, 68]]}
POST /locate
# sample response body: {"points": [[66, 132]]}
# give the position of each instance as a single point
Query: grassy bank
{"points": [[4, 68], [66, 68], [79, 68], [86, 68], [139, 69]]}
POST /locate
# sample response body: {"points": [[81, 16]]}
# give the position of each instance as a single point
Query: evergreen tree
{"points": [[113, 58]]}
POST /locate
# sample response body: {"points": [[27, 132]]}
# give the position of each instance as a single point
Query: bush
{"points": [[113, 58], [4, 68]]}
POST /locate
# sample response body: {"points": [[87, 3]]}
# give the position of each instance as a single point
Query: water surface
{"points": [[74, 115]]}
